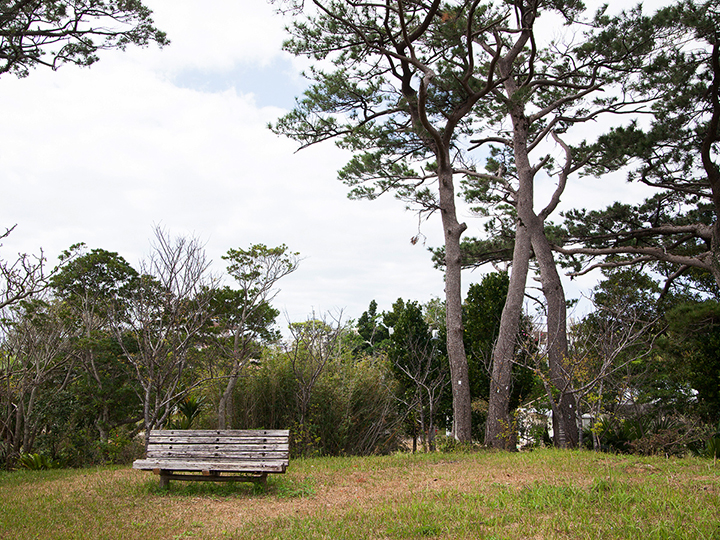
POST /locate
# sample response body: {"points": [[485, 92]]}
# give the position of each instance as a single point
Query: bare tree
{"points": [[313, 344], [429, 374], [22, 277], [602, 348], [33, 359], [165, 312]]}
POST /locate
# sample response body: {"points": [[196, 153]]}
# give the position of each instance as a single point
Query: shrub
{"points": [[37, 462], [352, 410], [452, 445], [670, 435]]}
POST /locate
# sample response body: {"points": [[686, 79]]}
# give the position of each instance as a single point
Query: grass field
{"points": [[541, 494]]}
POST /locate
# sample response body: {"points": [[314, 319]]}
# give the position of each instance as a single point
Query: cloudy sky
{"points": [[177, 137]]}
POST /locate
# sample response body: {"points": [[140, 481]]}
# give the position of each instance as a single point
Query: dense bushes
{"points": [[352, 409]]}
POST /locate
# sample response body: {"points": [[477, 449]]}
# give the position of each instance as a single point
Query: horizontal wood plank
{"points": [[277, 466], [272, 447], [155, 439], [221, 432], [230, 453]]}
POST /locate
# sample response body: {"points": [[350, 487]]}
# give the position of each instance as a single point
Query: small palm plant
{"points": [[186, 411]]}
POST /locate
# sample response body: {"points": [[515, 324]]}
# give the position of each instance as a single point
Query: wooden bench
{"points": [[243, 455]]}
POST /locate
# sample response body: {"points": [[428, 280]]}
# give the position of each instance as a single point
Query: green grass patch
{"points": [[544, 494]]}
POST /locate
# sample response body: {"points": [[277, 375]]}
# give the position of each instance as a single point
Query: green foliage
{"points": [[450, 445], [372, 331], [101, 276], [482, 311], [259, 267], [54, 32], [187, 411], [351, 409], [122, 448], [651, 435], [693, 353], [37, 462], [712, 448], [419, 362], [230, 312], [675, 153]]}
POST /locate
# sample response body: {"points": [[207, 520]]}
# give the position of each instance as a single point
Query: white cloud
{"points": [[214, 35], [101, 155]]}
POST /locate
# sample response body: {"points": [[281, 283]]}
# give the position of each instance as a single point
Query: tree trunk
{"points": [[19, 421], [498, 419], [146, 417], [462, 412], [225, 403], [28, 425], [711, 168], [715, 249], [565, 417]]}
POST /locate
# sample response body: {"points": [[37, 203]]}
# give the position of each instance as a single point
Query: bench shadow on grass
{"points": [[277, 487]]}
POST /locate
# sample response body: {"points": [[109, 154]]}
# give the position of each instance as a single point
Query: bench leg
{"points": [[164, 481]]}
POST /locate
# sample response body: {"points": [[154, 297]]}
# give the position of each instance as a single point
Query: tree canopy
{"points": [[54, 32]]}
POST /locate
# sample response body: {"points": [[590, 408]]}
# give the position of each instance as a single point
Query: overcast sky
{"points": [[177, 137]]}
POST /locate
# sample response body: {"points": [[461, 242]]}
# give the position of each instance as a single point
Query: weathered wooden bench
{"points": [[219, 455]]}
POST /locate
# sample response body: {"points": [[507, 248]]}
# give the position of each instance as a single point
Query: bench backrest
{"points": [[245, 445]]}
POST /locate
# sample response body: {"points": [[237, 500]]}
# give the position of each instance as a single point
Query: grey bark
{"points": [[499, 399], [460, 380]]}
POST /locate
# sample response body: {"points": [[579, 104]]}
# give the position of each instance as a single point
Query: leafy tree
{"points": [[482, 314], [243, 316], [53, 32], [549, 91], [370, 328], [675, 153], [694, 347], [413, 81], [92, 287]]}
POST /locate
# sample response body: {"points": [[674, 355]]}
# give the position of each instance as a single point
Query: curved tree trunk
{"points": [[498, 421], [564, 415]]}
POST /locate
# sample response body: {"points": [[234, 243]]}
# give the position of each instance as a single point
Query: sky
{"points": [[177, 138]]}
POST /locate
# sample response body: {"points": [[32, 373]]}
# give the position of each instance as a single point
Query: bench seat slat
{"points": [[275, 447], [278, 466]]}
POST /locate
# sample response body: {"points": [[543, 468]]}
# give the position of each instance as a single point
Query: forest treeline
{"points": [[99, 353]]}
